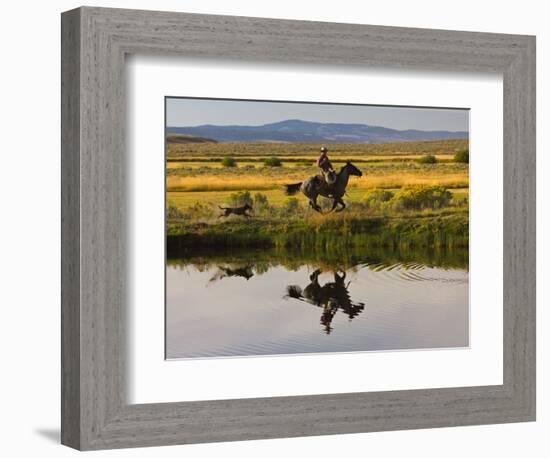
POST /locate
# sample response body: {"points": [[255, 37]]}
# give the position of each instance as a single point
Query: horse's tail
{"points": [[294, 291], [291, 189]]}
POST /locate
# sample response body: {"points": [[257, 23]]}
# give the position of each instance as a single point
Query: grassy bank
{"points": [[447, 229]]}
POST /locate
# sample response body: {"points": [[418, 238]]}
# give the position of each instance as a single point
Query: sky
{"points": [[185, 112]]}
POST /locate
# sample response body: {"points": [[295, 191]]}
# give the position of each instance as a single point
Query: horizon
{"points": [[195, 112], [309, 122]]}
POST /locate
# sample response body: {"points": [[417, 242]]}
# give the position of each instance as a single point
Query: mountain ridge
{"points": [[300, 131]]}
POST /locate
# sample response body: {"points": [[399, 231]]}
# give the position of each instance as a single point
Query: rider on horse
{"points": [[323, 162]]}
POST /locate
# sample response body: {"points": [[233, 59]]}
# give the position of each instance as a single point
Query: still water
{"points": [[241, 307]]}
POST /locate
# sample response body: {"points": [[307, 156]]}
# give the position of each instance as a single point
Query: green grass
{"points": [[343, 231], [437, 147], [276, 197], [197, 183]]}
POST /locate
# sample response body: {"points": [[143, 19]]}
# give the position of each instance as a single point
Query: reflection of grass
{"points": [[343, 258]]}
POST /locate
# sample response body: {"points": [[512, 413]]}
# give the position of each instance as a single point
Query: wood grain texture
{"points": [[70, 229], [96, 414]]}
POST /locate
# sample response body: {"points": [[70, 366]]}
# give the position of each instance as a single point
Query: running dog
{"points": [[240, 211]]}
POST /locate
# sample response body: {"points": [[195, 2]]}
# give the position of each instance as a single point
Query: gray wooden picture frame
{"points": [[95, 413]]}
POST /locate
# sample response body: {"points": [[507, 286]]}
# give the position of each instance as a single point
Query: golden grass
{"points": [[397, 180], [217, 183], [256, 182], [199, 176]]}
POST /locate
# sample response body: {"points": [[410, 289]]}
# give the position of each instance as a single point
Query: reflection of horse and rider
{"points": [[331, 297], [329, 183]]}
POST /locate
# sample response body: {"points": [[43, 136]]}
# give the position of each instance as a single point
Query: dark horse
{"points": [[316, 186], [331, 297]]}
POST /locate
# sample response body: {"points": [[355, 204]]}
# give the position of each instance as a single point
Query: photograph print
{"points": [[301, 228]]}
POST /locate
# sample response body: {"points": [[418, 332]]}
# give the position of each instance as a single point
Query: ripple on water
{"points": [[406, 306]]}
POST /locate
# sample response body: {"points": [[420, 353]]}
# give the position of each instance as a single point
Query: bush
{"points": [[461, 201], [240, 198], [273, 161], [261, 204], [427, 159], [199, 210], [462, 156], [173, 212], [419, 197], [291, 206], [376, 197], [229, 162]]}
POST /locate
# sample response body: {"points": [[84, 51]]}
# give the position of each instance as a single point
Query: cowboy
{"points": [[323, 162]]}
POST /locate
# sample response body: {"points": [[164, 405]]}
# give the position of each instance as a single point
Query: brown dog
{"points": [[240, 211]]}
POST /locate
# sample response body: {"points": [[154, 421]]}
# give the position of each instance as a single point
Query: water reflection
{"points": [[331, 297], [246, 272], [241, 302]]}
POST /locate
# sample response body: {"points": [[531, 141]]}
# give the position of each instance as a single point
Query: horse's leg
{"points": [[343, 205], [315, 205], [313, 202], [334, 203], [309, 190]]}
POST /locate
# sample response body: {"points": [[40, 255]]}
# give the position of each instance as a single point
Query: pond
{"points": [[245, 302]]}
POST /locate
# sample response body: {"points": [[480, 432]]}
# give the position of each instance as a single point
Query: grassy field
{"points": [[184, 200], [426, 202], [302, 150]]}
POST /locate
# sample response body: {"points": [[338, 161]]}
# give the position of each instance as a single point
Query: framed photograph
{"points": [[273, 207], [279, 228]]}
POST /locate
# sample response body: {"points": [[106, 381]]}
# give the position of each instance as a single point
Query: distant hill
{"points": [[186, 138], [297, 131]]}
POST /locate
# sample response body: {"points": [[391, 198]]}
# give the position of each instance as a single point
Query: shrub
{"points": [[461, 201], [419, 197], [199, 210], [261, 204], [239, 198], [291, 206], [173, 212], [376, 197], [273, 161], [427, 159], [229, 162], [462, 156]]}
